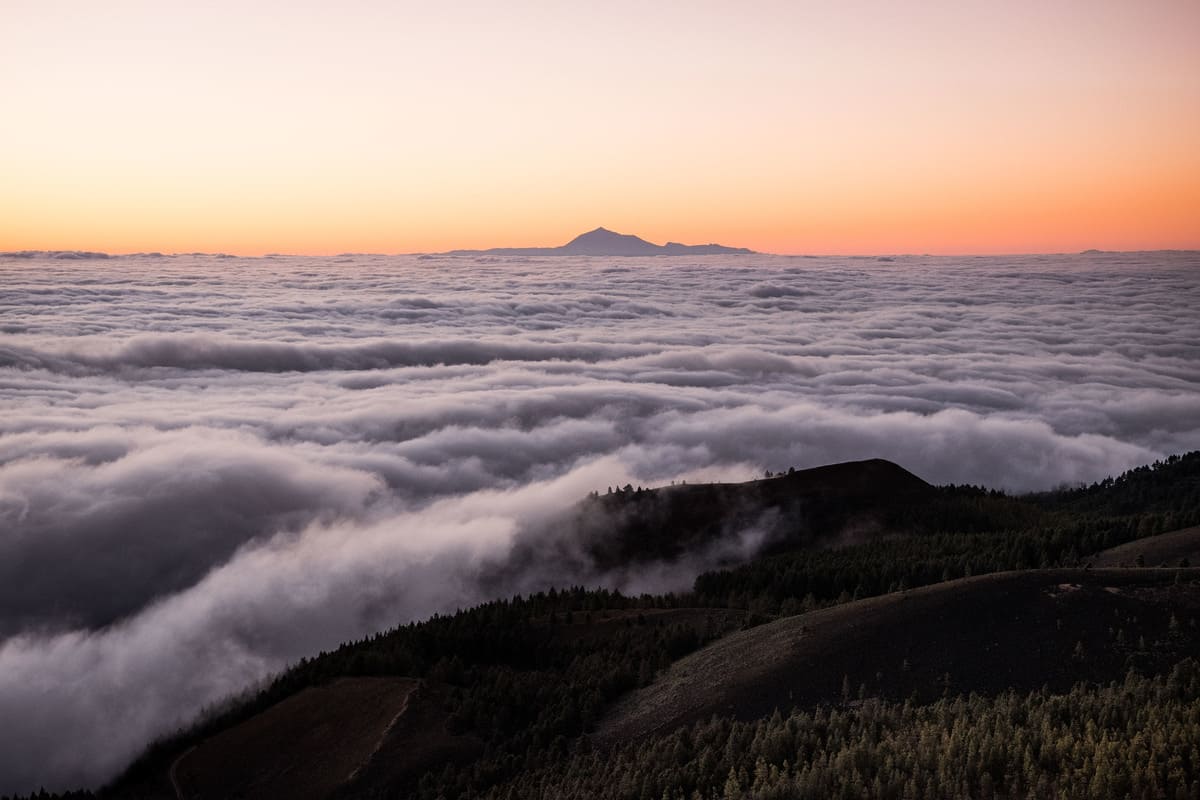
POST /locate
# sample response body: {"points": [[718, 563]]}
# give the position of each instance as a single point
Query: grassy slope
{"points": [[1166, 549], [303, 747], [988, 633]]}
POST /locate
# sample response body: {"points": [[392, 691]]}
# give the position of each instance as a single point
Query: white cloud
{"points": [[209, 467]]}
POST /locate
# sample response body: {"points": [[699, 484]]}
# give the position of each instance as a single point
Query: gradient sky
{"points": [[376, 126]]}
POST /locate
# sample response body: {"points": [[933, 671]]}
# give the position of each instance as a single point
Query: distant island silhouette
{"points": [[603, 242]]}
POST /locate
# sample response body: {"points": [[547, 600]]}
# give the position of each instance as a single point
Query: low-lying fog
{"points": [[210, 467]]}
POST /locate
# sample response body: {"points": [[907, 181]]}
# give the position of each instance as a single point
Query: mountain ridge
{"points": [[603, 242]]}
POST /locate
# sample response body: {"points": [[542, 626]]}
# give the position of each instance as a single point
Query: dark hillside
{"points": [[514, 687], [824, 506], [1020, 630], [968, 530], [1174, 549], [1166, 494], [508, 682], [1136, 738], [304, 747]]}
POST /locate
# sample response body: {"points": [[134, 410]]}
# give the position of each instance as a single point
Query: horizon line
{"points": [[81, 254]]}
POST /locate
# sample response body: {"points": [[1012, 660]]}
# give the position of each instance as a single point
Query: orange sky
{"points": [[378, 126]]}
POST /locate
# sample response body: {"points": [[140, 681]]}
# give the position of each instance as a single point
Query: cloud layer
{"points": [[210, 467]]}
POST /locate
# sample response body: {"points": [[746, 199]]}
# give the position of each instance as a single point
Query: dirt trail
{"points": [[383, 736], [173, 772], [305, 747]]}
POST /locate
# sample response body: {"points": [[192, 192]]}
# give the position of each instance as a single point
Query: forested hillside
{"points": [[1134, 738], [518, 687]]}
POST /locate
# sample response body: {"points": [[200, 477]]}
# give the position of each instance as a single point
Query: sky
{"points": [[791, 127]]}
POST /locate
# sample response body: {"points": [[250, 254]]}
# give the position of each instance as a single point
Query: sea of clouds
{"points": [[210, 467]]}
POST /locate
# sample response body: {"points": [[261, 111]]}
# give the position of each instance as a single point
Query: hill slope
{"points": [[1019, 630], [303, 747], [512, 686], [824, 506], [1166, 549]]}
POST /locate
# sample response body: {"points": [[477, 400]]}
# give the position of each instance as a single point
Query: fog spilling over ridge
{"points": [[210, 467]]}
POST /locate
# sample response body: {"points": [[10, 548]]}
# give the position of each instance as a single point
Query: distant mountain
{"points": [[603, 242]]}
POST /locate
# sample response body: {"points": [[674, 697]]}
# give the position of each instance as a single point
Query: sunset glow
{"points": [[785, 127]]}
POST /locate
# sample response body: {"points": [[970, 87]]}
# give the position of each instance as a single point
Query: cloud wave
{"points": [[212, 466]]}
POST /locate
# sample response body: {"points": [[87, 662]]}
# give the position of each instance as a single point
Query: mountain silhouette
{"points": [[603, 242]]}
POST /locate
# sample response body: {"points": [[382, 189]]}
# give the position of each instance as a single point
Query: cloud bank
{"points": [[210, 467]]}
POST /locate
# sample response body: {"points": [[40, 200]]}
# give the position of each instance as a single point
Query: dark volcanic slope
{"points": [[827, 505], [1166, 549], [803, 507], [988, 633], [304, 747]]}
